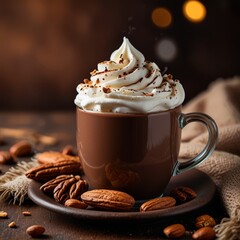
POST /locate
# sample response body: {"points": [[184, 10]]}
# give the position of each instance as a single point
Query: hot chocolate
{"points": [[134, 153], [129, 125]]}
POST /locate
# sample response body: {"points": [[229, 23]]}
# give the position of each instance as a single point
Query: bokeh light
{"points": [[166, 49], [194, 11], [161, 17]]}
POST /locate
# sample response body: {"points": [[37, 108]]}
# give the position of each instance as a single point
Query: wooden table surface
{"points": [[60, 227]]}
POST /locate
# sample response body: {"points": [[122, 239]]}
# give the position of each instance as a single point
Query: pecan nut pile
{"points": [[65, 187], [46, 172], [49, 186], [183, 194]]}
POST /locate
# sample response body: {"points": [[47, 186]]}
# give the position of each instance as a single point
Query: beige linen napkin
{"points": [[222, 102]]}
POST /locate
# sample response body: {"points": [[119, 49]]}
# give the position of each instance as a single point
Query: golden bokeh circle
{"points": [[194, 11], [161, 17]]}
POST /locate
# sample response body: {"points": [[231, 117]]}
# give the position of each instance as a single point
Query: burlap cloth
{"points": [[222, 102]]}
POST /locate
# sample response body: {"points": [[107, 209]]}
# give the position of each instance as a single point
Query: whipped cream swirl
{"points": [[129, 84]]}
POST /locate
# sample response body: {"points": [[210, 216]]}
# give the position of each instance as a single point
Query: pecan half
{"points": [[157, 204], [78, 188], [204, 233], [6, 157], [52, 157], [35, 231], [20, 149], [174, 231], [49, 186], [183, 194], [70, 188], [205, 221], [75, 204], [108, 199], [49, 171]]}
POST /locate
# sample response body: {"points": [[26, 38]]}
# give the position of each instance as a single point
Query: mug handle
{"points": [[185, 119]]}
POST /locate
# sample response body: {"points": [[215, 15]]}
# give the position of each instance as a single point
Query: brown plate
{"points": [[195, 179]]}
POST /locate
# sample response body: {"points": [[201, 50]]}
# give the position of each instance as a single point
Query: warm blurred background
{"points": [[48, 46]]}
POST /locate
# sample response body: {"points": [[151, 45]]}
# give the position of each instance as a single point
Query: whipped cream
{"points": [[129, 84]]}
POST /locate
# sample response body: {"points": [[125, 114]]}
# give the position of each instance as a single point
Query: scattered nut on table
{"points": [[3, 214], [205, 221], [26, 213], [35, 230], [205, 233], [12, 225], [174, 231]]}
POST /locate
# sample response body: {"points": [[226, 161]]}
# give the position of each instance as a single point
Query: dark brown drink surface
{"points": [[134, 153]]}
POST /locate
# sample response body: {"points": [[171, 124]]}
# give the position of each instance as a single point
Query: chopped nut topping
{"points": [[121, 60], [106, 90], [87, 81], [149, 94], [93, 72]]}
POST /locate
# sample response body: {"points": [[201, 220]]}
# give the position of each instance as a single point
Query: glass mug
{"points": [[136, 153]]}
